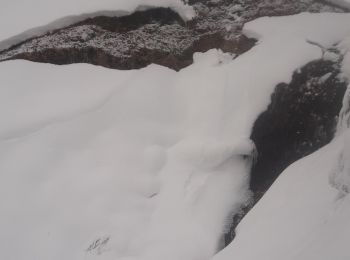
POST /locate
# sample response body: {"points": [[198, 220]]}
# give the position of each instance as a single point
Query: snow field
{"points": [[147, 164]]}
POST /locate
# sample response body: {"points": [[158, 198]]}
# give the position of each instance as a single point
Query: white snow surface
{"points": [[20, 20], [96, 155], [147, 164]]}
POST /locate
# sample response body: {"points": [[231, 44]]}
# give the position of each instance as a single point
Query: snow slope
{"points": [[92, 170], [142, 164], [42, 16]]}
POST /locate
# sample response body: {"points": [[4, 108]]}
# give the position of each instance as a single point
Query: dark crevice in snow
{"points": [[300, 119]]}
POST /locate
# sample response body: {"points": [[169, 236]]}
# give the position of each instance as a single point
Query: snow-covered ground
{"points": [[20, 20], [147, 164]]}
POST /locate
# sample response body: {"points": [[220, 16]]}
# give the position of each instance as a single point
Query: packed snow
{"points": [[149, 164], [42, 16]]}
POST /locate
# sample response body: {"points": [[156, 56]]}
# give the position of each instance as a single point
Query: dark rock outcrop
{"points": [[300, 119], [141, 57], [156, 36]]}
